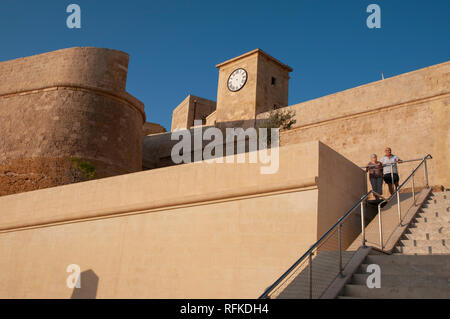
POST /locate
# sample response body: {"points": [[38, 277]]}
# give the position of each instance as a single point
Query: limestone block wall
{"points": [[195, 231], [211, 119], [64, 104], [152, 128], [271, 95], [190, 109], [410, 113]]}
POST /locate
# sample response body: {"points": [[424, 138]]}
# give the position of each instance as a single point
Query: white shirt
{"points": [[386, 161]]}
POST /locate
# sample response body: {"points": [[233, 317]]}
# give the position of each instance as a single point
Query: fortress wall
{"points": [[181, 114], [433, 81], [152, 128], [410, 113], [63, 104], [190, 109], [174, 237], [95, 67]]}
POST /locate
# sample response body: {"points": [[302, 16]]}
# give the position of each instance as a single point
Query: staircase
{"points": [[420, 264], [430, 231]]}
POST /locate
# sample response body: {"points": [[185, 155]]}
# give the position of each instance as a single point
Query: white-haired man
{"points": [[390, 171]]}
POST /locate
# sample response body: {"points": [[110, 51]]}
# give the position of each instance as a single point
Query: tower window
{"points": [[274, 80]]}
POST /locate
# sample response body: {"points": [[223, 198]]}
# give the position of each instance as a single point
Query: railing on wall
{"points": [[327, 257], [410, 180]]}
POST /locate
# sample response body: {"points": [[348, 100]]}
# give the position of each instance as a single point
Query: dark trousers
{"points": [[377, 184]]}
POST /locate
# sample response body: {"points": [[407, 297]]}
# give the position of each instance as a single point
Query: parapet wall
{"points": [[64, 104], [198, 230]]}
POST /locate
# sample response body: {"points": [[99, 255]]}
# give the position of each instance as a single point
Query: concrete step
{"points": [[419, 229], [405, 260], [441, 193], [439, 197], [423, 235], [411, 250], [411, 269], [360, 291], [440, 204], [423, 243], [430, 226], [432, 218], [433, 213], [405, 281], [437, 203], [444, 210]]}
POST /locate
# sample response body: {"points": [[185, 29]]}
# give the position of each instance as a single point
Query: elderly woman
{"points": [[375, 169]]}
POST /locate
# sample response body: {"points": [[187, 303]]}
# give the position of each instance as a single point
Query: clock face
{"points": [[237, 80]]}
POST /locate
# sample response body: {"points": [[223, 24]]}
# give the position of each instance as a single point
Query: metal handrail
{"points": [[338, 224], [402, 162], [286, 273], [397, 194]]}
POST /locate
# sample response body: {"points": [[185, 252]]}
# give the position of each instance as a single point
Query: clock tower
{"points": [[250, 84]]}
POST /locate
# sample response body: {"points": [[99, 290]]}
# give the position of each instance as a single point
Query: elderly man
{"points": [[390, 171], [375, 169]]}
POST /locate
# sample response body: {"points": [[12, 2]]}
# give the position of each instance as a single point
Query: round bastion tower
{"points": [[65, 116]]}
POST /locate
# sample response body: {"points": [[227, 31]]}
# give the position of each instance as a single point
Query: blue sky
{"points": [[175, 45]]}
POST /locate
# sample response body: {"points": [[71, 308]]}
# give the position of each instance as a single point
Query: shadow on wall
{"points": [[157, 148], [89, 285]]}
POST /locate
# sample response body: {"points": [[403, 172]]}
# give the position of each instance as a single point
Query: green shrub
{"points": [[84, 167], [284, 120]]}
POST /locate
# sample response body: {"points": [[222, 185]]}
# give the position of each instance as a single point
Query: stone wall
{"points": [[65, 104], [410, 113], [192, 108], [164, 234], [152, 128]]}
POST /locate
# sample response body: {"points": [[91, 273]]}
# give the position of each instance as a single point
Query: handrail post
{"points": [[310, 275], [363, 228], [426, 172], [380, 228], [399, 208], [413, 189], [340, 247]]}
